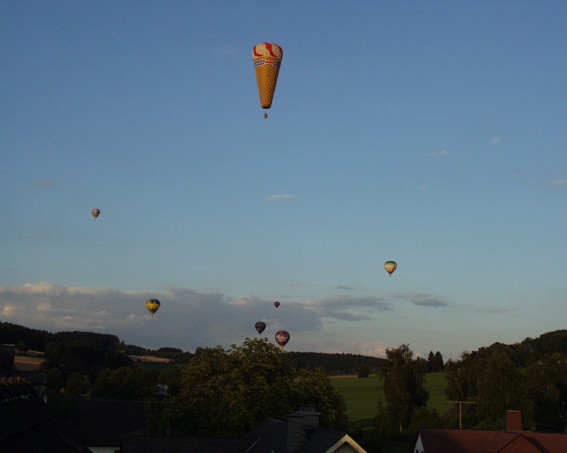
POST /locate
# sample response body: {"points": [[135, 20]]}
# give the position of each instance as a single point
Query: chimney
{"points": [[299, 425], [513, 420]]}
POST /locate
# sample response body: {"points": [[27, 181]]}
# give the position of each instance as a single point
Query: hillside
{"points": [[96, 346]]}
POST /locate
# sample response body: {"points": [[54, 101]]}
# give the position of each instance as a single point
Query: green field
{"points": [[361, 396]]}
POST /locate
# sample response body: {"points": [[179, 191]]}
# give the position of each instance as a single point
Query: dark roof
{"points": [[106, 422], [483, 441], [271, 436], [321, 440], [134, 443], [20, 408], [29, 424]]}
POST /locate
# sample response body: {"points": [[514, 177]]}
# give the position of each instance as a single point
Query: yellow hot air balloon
{"points": [[153, 305], [390, 267], [95, 212], [267, 61]]}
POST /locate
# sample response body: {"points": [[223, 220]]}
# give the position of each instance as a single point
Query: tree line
{"points": [[90, 352], [530, 376]]}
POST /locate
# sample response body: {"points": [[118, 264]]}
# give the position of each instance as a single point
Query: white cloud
{"points": [[187, 319], [7, 311], [559, 182], [495, 140], [280, 197], [440, 152]]}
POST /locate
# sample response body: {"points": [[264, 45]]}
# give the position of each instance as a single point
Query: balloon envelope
{"points": [[390, 267], [267, 59], [153, 305], [282, 337], [260, 326], [95, 212], [276, 304]]}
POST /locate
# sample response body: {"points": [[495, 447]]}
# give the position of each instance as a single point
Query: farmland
{"points": [[361, 396]]}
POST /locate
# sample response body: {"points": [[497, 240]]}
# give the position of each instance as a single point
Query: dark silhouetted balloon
{"points": [[276, 304], [95, 212], [260, 326]]}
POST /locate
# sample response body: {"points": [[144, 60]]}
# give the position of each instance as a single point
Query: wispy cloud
{"points": [[422, 299], [280, 197], [350, 308], [440, 152], [434, 51], [559, 182], [344, 287], [43, 184], [495, 140]]}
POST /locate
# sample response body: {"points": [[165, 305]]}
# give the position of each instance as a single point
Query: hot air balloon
{"points": [[260, 326], [267, 59], [282, 337], [95, 212], [153, 305], [390, 267], [276, 304]]}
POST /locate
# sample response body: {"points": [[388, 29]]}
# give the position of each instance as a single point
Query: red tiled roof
{"points": [[480, 441]]}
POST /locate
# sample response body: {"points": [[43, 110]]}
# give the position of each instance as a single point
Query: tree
{"points": [[127, 383], [404, 389], [22, 346], [75, 385], [499, 387], [315, 389], [225, 393], [363, 370]]}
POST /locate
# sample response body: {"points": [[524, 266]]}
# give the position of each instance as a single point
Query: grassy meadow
{"points": [[361, 396]]}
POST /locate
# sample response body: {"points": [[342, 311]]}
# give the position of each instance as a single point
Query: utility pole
{"points": [[460, 403]]}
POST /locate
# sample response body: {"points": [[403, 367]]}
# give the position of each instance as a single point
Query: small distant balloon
{"points": [[276, 304], [153, 305], [282, 337], [95, 212], [390, 267], [260, 326]]}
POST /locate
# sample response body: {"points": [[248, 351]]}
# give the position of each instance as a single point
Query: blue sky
{"points": [[429, 133]]}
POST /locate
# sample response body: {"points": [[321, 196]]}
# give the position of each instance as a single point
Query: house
{"points": [[103, 424], [300, 434], [7, 353], [512, 440], [29, 424]]}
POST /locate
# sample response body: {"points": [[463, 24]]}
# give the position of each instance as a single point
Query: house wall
{"points": [[344, 448], [418, 448]]}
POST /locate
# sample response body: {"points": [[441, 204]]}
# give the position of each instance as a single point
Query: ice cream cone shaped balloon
{"points": [[267, 61]]}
